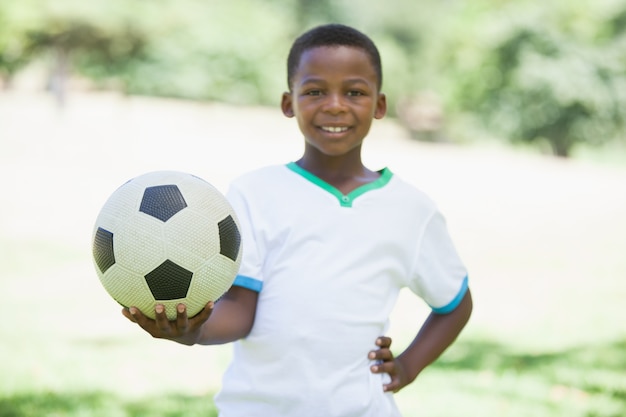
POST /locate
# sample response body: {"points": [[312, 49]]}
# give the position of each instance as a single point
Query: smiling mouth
{"points": [[334, 129]]}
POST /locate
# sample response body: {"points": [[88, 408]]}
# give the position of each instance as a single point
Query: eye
{"points": [[355, 93], [313, 92]]}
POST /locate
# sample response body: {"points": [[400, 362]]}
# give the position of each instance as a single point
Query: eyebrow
{"points": [[349, 81]]}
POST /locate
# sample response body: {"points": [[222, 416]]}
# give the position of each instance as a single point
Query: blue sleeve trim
{"points": [[448, 308], [249, 283]]}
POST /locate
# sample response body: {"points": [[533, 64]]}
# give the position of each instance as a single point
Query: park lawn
{"points": [[543, 240]]}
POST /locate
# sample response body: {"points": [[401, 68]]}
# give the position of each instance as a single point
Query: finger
{"points": [[163, 324], [202, 316], [182, 322], [384, 368], [393, 386], [128, 315], [137, 316], [381, 355], [383, 341], [146, 323]]}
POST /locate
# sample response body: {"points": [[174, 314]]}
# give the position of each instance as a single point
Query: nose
{"points": [[335, 103]]}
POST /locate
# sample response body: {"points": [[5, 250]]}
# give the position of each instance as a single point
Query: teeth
{"points": [[333, 129]]}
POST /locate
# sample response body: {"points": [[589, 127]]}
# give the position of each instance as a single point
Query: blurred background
{"points": [[549, 74], [510, 114]]}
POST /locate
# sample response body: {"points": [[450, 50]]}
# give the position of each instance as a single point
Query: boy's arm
{"points": [[437, 333], [229, 319], [232, 317]]}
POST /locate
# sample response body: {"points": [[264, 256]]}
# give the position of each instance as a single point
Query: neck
{"points": [[345, 173], [333, 166]]}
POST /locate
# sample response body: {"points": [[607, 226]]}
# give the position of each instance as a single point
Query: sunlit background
{"points": [[510, 114]]}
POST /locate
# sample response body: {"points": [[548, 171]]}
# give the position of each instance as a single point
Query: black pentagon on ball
{"points": [[103, 249], [230, 239], [162, 201], [169, 281]]}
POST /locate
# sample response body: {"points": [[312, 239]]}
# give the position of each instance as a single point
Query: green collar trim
{"points": [[345, 200]]}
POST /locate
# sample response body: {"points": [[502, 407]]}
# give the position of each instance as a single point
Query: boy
{"points": [[328, 244]]}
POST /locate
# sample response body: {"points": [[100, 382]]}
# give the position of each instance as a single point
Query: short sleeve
{"points": [[439, 276], [249, 275]]}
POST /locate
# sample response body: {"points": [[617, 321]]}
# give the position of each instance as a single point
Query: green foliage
{"points": [[213, 52], [552, 76], [94, 52], [93, 38], [532, 72], [14, 50]]}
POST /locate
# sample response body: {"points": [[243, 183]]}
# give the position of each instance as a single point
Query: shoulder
{"points": [[260, 187], [410, 194], [259, 176]]}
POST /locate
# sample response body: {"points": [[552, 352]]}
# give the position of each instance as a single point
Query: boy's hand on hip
{"points": [[387, 364]]}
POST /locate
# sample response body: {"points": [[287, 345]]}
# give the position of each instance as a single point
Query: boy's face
{"points": [[334, 97]]}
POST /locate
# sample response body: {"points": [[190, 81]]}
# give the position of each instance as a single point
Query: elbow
{"points": [[465, 308], [246, 328]]}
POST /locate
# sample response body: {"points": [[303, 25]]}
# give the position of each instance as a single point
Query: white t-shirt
{"points": [[328, 268]]}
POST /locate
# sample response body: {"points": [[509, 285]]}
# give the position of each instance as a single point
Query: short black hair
{"points": [[333, 34]]}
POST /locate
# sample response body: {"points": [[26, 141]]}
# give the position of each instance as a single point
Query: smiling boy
{"points": [[328, 245]]}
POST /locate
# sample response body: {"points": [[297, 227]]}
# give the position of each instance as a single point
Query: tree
{"points": [[82, 45], [534, 81], [15, 52]]}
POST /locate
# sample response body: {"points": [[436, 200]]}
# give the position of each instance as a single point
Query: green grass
{"points": [[491, 379], [99, 404]]}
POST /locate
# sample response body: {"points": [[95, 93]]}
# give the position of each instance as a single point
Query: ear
{"points": [[381, 106], [286, 104]]}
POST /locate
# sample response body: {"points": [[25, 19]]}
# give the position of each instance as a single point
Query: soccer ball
{"points": [[166, 237]]}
